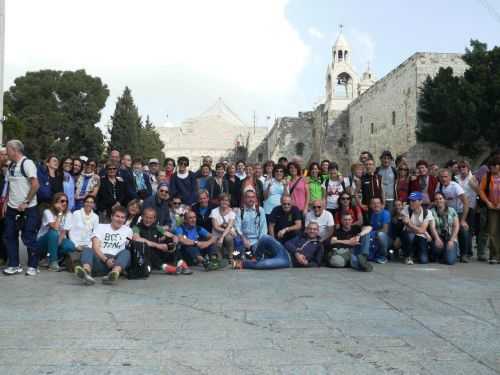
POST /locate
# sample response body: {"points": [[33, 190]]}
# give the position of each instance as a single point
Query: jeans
{"points": [[447, 255], [270, 254], [410, 241], [465, 236], [383, 242], [482, 238], [49, 242], [98, 267], [339, 260], [28, 235], [190, 253]]}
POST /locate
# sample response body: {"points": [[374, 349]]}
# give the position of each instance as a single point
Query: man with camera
{"points": [[162, 245]]}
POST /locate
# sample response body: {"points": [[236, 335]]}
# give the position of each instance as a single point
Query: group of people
{"points": [[81, 214]]}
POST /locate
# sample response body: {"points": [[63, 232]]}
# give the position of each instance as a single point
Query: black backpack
{"points": [[140, 260]]}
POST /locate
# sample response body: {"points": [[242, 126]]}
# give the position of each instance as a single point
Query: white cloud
{"points": [[315, 33], [177, 56]]}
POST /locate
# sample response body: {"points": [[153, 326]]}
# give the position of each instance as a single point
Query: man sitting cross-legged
{"points": [[350, 245], [109, 253], [197, 243], [162, 245]]}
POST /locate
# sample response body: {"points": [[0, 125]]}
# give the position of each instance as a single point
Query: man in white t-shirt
{"points": [[21, 206], [323, 218], [109, 253]]}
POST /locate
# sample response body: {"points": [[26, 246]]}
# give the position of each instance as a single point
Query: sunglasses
{"points": [[63, 201], [315, 207], [286, 204], [112, 169], [162, 191], [344, 198], [176, 203]]}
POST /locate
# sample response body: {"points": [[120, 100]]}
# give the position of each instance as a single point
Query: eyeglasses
{"points": [[63, 201], [176, 203], [112, 169], [316, 207], [345, 198], [286, 204], [183, 163], [162, 191]]}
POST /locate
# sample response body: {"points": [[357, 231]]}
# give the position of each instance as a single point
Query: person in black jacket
{"points": [[112, 192], [217, 184], [125, 172], [234, 185], [183, 182], [203, 209]]}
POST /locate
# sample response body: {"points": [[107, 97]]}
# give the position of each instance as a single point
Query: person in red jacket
{"points": [[424, 183]]}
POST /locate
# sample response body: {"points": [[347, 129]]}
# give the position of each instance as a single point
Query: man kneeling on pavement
{"points": [[350, 246]]}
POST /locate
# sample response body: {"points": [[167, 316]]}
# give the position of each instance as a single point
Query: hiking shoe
{"points": [[13, 270], [54, 266], [408, 261], [44, 263], [364, 265], [111, 278], [82, 274], [31, 271]]}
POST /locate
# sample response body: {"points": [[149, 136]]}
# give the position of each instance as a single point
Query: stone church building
{"points": [[361, 113], [218, 132]]}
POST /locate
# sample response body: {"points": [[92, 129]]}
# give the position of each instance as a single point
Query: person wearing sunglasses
{"points": [[403, 182], [53, 234], [346, 206], [112, 192], [319, 215], [160, 202], [87, 183]]}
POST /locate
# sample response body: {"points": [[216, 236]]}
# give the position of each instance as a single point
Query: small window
{"points": [[369, 76], [372, 128], [340, 55], [393, 118], [299, 149], [360, 119]]}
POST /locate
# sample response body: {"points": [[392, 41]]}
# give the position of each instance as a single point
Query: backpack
{"points": [[140, 260]]}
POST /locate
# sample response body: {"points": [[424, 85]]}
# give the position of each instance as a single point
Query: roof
{"points": [[341, 43], [220, 112]]}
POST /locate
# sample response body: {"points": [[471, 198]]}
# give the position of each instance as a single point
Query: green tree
{"points": [[151, 145], [463, 113], [126, 126], [56, 111]]}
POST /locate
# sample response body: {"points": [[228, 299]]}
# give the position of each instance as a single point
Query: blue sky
{"points": [[267, 56]]}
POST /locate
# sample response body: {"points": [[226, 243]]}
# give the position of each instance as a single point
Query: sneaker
{"points": [[492, 261], [31, 271], [44, 263], [111, 278], [186, 271], [83, 275], [54, 266], [463, 259], [408, 261], [381, 260], [364, 265], [13, 270]]}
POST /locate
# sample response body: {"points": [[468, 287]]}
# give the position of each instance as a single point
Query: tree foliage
{"points": [[129, 135], [56, 111], [463, 113]]}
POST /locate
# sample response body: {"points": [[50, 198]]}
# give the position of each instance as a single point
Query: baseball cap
{"points": [[154, 161], [416, 196]]}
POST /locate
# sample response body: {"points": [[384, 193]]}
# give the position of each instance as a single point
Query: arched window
{"points": [[345, 56], [344, 86], [299, 149], [340, 55]]}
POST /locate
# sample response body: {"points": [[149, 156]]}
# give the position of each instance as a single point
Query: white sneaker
{"points": [[409, 261], [31, 271], [13, 270]]}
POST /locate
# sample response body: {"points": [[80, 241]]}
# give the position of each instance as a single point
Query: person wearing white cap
{"points": [[154, 168]]}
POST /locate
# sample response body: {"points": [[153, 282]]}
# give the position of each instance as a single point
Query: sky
{"points": [[267, 57]]}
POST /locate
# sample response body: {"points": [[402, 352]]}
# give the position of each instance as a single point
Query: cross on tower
{"points": [[341, 26]]}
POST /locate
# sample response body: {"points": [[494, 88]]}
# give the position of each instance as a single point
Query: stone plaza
{"points": [[423, 319]]}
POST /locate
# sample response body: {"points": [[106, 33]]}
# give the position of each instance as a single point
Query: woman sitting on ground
{"points": [[52, 237], [223, 218], [444, 230]]}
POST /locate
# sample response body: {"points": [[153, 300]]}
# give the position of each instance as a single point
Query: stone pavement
{"points": [[396, 320]]}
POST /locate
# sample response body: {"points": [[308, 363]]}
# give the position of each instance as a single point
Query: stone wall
{"points": [[386, 115]]}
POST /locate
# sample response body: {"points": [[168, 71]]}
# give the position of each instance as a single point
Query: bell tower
{"points": [[341, 79]]}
